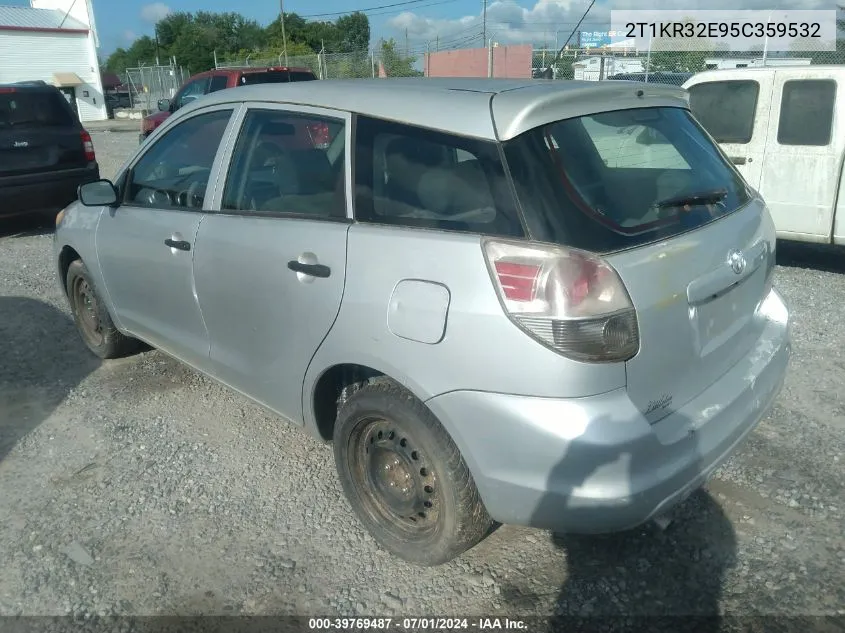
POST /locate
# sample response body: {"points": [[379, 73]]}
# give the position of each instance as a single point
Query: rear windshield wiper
{"points": [[703, 197]]}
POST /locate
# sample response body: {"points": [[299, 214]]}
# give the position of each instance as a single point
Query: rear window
{"points": [[275, 77], [621, 179], [33, 109]]}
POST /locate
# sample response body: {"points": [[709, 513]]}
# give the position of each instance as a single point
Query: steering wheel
{"points": [[192, 194], [154, 198]]}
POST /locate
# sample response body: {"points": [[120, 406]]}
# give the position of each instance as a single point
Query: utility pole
{"points": [[484, 23], [407, 49], [284, 37]]}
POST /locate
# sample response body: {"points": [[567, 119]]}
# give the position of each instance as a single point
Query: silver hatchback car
{"points": [[528, 302]]}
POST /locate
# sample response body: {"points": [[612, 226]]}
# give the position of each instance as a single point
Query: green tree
{"points": [[354, 32], [396, 65], [142, 51]]}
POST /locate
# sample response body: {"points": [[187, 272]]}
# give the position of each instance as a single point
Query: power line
{"points": [[383, 6], [419, 6]]}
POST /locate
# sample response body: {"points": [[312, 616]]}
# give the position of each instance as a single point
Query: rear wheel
{"points": [[92, 318], [405, 478]]}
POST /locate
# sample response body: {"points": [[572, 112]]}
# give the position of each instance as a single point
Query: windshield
{"points": [[621, 179], [275, 77], [33, 109]]}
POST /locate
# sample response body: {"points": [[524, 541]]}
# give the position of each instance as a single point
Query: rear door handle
{"points": [[738, 160], [178, 244], [315, 270]]}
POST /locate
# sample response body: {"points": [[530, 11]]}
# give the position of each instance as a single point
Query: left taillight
{"points": [[88, 144], [572, 301]]}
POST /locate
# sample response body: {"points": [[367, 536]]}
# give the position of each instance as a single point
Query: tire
{"points": [[384, 429], [91, 317]]}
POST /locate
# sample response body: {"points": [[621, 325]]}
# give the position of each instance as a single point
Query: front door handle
{"points": [[178, 244], [315, 270], [738, 160]]}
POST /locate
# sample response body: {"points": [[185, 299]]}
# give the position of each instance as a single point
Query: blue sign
{"points": [[595, 39]]}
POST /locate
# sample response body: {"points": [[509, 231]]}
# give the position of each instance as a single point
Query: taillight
{"points": [[320, 135], [88, 144], [572, 301]]}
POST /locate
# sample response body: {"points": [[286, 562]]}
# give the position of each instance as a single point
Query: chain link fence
{"points": [[670, 62], [150, 84], [353, 65]]}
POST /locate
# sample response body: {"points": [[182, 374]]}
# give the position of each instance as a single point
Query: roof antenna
{"points": [[548, 73]]}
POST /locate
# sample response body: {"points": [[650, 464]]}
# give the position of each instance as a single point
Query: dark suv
{"points": [[220, 79], [45, 153]]}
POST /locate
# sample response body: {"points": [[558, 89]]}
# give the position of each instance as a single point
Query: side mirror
{"points": [[164, 105], [100, 193]]}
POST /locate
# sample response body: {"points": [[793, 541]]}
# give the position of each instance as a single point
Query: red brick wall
{"points": [[511, 62]]}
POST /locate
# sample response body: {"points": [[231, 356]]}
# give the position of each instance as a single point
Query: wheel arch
{"points": [[325, 391], [67, 255]]}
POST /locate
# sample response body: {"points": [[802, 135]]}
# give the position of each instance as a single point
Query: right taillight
{"points": [[572, 301]]}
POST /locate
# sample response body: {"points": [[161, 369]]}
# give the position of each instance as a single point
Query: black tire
{"points": [[437, 514], [92, 318]]}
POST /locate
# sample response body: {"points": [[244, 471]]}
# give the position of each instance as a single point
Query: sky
{"points": [[416, 23]]}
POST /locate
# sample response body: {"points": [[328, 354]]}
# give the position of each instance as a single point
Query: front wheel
{"points": [[93, 319], [405, 477]]}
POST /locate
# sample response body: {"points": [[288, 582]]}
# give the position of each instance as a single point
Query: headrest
{"points": [[414, 151]]}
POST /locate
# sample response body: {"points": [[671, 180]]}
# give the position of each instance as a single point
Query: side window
{"points": [[409, 176], [282, 164], [173, 173], [806, 112], [192, 91], [218, 82], [726, 109]]}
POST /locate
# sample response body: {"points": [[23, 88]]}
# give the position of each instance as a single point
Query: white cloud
{"points": [[129, 36], [154, 12], [551, 21]]}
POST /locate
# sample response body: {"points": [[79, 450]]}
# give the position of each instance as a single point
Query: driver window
{"points": [[192, 91], [174, 173]]}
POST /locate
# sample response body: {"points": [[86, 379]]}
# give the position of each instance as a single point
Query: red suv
{"points": [[219, 79]]}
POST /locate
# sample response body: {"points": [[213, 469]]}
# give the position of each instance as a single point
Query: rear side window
{"points": [[274, 77], [34, 109], [218, 82], [806, 112], [414, 177], [726, 109], [621, 179]]}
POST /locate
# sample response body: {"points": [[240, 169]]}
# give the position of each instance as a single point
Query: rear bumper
{"points": [[595, 465], [43, 193]]}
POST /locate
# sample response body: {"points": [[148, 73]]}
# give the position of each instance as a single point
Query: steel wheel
{"points": [[399, 483], [404, 476], [88, 310]]}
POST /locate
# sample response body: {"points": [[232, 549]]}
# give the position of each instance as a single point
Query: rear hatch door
{"points": [[696, 297], [648, 189], [38, 133]]}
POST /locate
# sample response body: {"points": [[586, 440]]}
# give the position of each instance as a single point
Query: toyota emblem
{"points": [[737, 261]]}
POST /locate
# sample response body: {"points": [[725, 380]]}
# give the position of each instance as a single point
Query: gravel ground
{"points": [[140, 487]]}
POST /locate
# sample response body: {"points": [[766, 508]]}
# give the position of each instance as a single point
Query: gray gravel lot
{"points": [[140, 487]]}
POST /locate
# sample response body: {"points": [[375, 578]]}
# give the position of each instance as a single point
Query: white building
{"points": [[596, 67], [54, 41]]}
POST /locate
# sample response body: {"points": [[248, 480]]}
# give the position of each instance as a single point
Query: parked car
{"points": [[660, 77], [220, 79], [45, 153], [355, 290], [783, 129]]}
